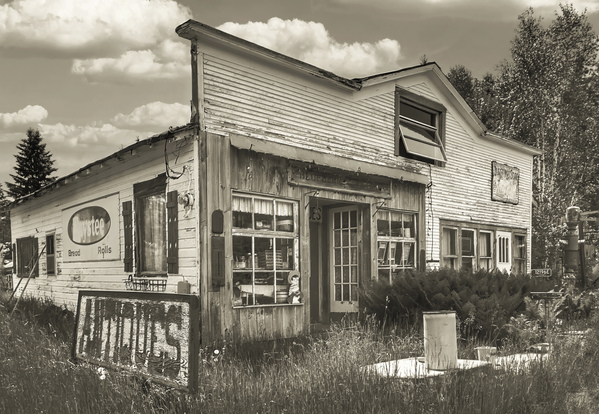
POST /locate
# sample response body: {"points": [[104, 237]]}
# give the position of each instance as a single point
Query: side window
{"points": [[396, 241], [150, 229], [50, 255], [27, 251], [449, 247], [519, 254], [468, 249], [485, 250], [265, 250], [419, 128]]}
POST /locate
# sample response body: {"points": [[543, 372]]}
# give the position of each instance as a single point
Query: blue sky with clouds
{"points": [[95, 75]]}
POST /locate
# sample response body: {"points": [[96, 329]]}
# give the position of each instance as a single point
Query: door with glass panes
{"points": [[344, 267]]}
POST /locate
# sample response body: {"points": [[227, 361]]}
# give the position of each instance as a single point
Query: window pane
{"points": [[396, 221], [409, 225], [449, 242], [417, 114], [285, 253], [382, 223], [468, 243], [263, 214], [263, 253], [353, 218], [484, 244], [242, 212], [242, 252], [284, 216], [153, 233]]}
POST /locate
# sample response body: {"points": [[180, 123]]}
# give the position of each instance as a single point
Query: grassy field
{"points": [[308, 375]]}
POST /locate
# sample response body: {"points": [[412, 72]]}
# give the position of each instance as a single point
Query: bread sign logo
{"points": [[89, 225]]}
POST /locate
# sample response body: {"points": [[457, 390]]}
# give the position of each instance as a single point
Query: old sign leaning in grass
{"points": [[155, 335]]}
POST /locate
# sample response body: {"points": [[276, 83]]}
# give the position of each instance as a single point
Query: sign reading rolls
{"points": [[91, 231]]}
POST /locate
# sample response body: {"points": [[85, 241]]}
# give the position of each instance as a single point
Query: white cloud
{"points": [[155, 116], [88, 27], [310, 42], [31, 114], [170, 60]]}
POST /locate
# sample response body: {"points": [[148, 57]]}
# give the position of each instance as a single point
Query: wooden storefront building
{"points": [[288, 178]]}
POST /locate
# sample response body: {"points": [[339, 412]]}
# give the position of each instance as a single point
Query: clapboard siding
{"points": [[250, 100], [43, 215], [260, 104]]}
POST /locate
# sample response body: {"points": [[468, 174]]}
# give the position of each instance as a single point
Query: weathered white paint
{"points": [[43, 215], [249, 98]]}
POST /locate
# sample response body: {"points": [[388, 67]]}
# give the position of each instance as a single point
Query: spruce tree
{"points": [[34, 166]]}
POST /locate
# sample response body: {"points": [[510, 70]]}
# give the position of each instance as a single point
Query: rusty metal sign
{"points": [[155, 335]]}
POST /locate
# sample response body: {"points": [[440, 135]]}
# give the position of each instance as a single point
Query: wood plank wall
{"points": [[43, 215]]}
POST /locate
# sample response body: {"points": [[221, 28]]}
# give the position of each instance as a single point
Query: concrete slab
{"points": [[518, 362], [411, 368]]}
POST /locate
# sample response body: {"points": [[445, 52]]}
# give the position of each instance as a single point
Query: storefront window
{"points": [[265, 249], [396, 242]]}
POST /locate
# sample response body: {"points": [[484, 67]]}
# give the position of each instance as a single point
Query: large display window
{"points": [[396, 242], [265, 250]]}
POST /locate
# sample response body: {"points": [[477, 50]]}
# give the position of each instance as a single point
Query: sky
{"points": [[94, 76]]}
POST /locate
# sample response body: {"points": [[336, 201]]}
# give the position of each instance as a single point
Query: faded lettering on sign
{"points": [[151, 337]]}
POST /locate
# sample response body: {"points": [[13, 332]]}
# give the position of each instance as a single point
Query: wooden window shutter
{"points": [[172, 251], [128, 228]]}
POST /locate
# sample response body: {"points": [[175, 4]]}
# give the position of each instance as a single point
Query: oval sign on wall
{"points": [[89, 225]]}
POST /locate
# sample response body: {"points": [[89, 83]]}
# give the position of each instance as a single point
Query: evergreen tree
{"points": [[34, 166], [4, 218]]}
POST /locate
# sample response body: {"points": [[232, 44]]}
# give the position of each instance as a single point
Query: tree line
{"points": [[547, 95]]}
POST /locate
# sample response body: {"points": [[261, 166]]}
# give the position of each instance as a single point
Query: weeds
{"points": [[318, 374]]}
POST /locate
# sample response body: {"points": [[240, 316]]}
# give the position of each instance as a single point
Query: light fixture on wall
{"points": [[186, 200]]}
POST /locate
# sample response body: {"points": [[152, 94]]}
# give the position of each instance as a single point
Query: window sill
{"points": [[272, 305]]}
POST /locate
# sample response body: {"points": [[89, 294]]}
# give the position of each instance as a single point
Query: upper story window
{"points": [[419, 127]]}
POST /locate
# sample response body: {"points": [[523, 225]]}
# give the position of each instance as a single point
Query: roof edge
{"points": [[62, 180], [193, 30]]}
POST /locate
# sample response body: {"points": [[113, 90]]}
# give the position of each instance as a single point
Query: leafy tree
{"points": [[548, 94], [34, 166]]}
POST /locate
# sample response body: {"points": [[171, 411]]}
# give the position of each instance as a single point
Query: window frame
{"points": [[257, 264], [23, 246], [51, 254], [156, 186], [479, 229], [436, 127], [519, 262], [387, 268]]}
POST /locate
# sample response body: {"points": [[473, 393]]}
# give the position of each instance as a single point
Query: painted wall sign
{"points": [[155, 335], [321, 177], [505, 183], [92, 231]]}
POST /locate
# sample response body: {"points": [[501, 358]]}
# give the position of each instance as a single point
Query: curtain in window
{"points": [[242, 204], [153, 237]]}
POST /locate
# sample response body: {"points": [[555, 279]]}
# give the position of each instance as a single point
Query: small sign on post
{"points": [[541, 272], [155, 335]]}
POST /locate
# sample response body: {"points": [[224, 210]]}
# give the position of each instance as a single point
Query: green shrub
{"points": [[484, 301]]}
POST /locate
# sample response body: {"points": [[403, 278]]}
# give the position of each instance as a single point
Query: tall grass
{"points": [[318, 374]]}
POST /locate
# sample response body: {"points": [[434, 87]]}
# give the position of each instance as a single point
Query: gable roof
{"points": [[200, 32]]}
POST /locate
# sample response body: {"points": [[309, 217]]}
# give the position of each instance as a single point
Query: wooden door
{"points": [[344, 234]]}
